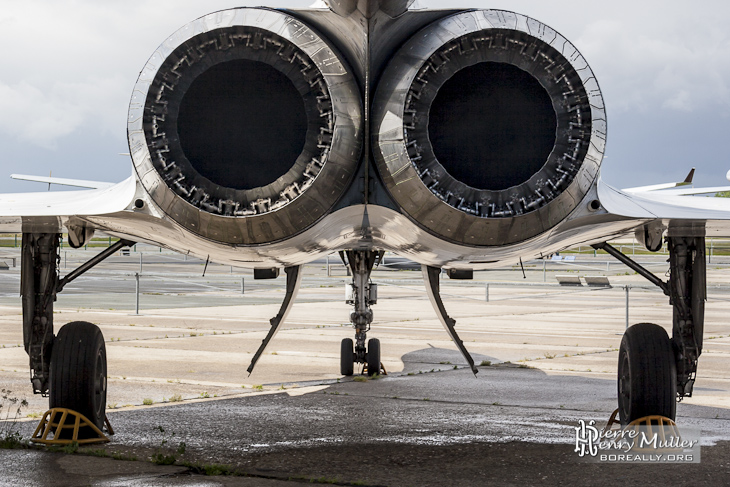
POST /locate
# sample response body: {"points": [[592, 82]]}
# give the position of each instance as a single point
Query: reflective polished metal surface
{"points": [[197, 182], [520, 203]]}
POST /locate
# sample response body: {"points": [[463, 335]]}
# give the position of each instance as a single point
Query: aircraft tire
{"points": [[347, 357], [647, 374], [373, 356], [78, 372]]}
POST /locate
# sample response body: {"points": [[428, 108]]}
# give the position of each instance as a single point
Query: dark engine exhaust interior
{"points": [[238, 121], [242, 124], [492, 125], [496, 123]]}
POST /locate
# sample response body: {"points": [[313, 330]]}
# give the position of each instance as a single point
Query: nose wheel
{"points": [[348, 357], [373, 356]]}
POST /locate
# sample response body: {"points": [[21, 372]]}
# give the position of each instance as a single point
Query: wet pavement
{"points": [[340, 433], [63, 470]]}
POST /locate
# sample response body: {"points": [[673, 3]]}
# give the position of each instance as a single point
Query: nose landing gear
{"points": [[361, 294]]}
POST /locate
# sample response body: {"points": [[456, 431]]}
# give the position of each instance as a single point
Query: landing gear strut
{"points": [[38, 279], [71, 367], [655, 371], [361, 294]]}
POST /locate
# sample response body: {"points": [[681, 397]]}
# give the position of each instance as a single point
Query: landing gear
{"points": [[361, 294], [71, 367], [38, 281], [78, 371], [656, 371], [647, 374], [373, 356], [347, 357]]}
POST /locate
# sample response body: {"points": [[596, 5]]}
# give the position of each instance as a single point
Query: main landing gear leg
{"points": [[431, 279], [38, 279], [71, 367], [361, 294], [654, 371]]}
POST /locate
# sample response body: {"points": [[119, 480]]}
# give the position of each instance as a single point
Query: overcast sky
{"points": [[67, 70]]}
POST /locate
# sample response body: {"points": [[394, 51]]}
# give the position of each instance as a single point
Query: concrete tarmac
{"points": [[549, 359]]}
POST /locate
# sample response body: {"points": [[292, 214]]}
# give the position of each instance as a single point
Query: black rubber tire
{"points": [[647, 374], [347, 357], [373, 356], [78, 372]]}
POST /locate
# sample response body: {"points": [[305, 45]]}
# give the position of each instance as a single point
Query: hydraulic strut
{"points": [[362, 294], [634, 266], [38, 280], [688, 286]]}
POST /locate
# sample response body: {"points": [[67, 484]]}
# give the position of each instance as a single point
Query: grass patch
{"points": [[12, 441], [123, 457], [69, 449], [164, 455], [211, 469], [360, 378], [11, 409], [486, 363], [96, 453], [147, 401]]}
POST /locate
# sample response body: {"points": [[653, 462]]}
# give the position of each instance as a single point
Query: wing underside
{"points": [[674, 209], [19, 209]]}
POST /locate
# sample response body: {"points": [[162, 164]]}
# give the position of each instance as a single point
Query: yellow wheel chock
{"points": [[58, 420], [647, 421], [654, 421], [655, 424], [661, 426]]}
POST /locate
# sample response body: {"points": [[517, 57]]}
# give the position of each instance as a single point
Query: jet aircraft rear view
{"points": [[460, 139]]}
